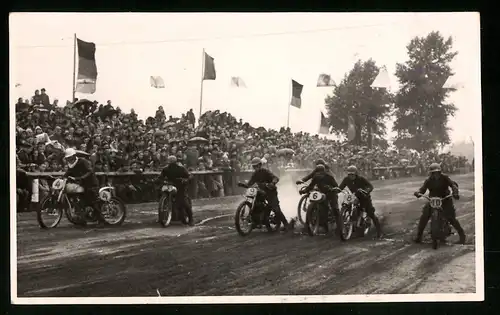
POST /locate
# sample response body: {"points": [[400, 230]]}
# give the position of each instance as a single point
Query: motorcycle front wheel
{"points": [[348, 224], [312, 219], [165, 211], [302, 209], [49, 214], [114, 211], [240, 219], [435, 228]]}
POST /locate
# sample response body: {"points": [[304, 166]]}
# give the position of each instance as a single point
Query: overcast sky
{"points": [[132, 47]]}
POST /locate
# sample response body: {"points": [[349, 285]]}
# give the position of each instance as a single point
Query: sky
{"points": [[265, 50]]}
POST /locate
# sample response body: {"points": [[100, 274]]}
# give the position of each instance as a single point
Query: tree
{"points": [[421, 114], [354, 97]]}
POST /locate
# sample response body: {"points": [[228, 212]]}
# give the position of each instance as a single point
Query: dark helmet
{"points": [[320, 162], [320, 168], [435, 167]]}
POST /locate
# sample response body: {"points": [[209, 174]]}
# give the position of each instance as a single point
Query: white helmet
{"points": [[69, 152]]}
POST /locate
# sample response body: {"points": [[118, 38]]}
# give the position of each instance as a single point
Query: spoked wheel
{"points": [[312, 219], [348, 226], [302, 208], [273, 223], [49, 214], [165, 211], [243, 219], [114, 211]]}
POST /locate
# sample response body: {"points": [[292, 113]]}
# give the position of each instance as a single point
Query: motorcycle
{"points": [[303, 203], [439, 225], [355, 219], [66, 197], [260, 212], [167, 207], [319, 204]]}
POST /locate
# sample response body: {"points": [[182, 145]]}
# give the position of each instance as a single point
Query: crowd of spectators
{"points": [[118, 141]]}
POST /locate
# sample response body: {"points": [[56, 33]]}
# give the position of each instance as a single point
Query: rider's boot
{"points": [[420, 229]]}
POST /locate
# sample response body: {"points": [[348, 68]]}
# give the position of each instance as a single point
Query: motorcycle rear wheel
{"points": [[238, 218], [58, 213], [164, 211]]}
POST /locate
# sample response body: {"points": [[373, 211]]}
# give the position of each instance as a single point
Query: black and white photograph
{"points": [[187, 158]]}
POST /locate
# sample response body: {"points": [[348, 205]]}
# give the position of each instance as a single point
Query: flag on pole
{"points": [[296, 94], [156, 82], [209, 71], [382, 79], [351, 129], [452, 83], [87, 68], [325, 80], [237, 82], [323, 127]]}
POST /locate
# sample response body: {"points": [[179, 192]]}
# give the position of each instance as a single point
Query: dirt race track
{"points": [[142, 259]]}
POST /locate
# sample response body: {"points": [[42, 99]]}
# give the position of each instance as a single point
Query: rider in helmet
{"points": [[361, 188], [80, 171], [264, 176], [310, 175], [439, 185], [179, 176], [325, 183]]}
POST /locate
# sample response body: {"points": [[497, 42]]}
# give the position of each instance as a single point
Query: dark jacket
{"points": [[174, 172], [310, 175], [263, 176], [439, 187], [322, 180], [84, 173], [359, 182]]}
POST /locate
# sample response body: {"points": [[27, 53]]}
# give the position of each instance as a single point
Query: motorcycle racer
{"points": [[438, 185], [361, 188]]}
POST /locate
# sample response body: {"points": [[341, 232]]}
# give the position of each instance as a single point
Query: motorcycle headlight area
{"points": [[57, 184], [168, 188], [251, 192], [105, 195], [315, 196], [435, 202]]}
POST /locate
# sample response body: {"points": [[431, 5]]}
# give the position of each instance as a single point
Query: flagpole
{"points": [[202, 77], [289, 103], [74, 68]]}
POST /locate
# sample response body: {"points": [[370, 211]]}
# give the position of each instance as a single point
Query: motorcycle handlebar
{"points": [[429, 199]]}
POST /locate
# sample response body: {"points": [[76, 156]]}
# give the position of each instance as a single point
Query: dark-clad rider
{"points": [[438, 185], [326, 184], [179, 176], [361, 188], [264, 176], [310, 175], [80, 171]]}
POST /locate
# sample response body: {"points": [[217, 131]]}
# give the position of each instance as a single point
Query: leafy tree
{"points": [[354, 97], [420, 110]]}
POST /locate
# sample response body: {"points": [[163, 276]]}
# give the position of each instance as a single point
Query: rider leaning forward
{"points": [[326, 184], [268, 183], [179, 176], [80, 171], [361, 188], [438, 185]]}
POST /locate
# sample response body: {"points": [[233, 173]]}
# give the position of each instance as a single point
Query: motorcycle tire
{"points": [[348, 223], [70, 212], [165, 211], [312, 219], [59, 212], [123, 210], [302, 208], [237, 218], [435, 229]]}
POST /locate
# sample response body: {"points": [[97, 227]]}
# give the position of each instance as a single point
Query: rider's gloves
{"points": [[361, 191], [417, 194], [299, 182], [456, 197], [271, 186]]}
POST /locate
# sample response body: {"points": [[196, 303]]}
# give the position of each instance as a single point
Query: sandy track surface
{"points": [[141, 258]]}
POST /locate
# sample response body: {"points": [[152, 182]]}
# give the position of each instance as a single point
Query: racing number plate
{"points": [[315, 196]]}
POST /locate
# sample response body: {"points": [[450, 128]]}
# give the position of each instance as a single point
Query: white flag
{"points": [[156, 82], [452, 84], [382, 79], [237, 82]]}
